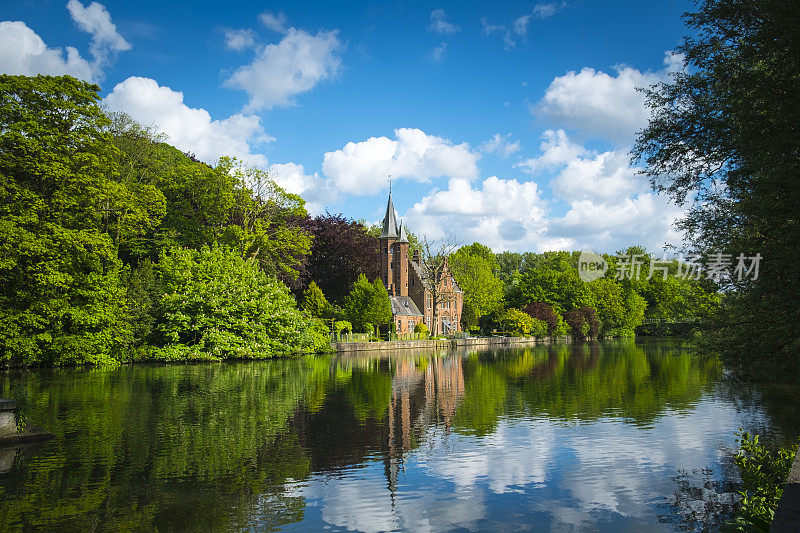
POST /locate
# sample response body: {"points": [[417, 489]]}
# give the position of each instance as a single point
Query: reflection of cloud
{"points": [[364, 503], [513, 456], [556, 474]]}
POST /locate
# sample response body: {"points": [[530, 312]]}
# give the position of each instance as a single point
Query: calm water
{"points": [[612, 436]]}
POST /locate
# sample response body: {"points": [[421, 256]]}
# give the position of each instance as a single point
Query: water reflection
{"points": [[550, 436]]}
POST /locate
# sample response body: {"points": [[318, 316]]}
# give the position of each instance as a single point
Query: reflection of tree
{"points": [[176, 447], [211, 446]]}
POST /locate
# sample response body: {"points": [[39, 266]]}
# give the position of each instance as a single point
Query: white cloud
{"points": [[276, 23], [610, 207], [510, 34], [240, 39], [311, 187], [295, 65], [437, 54], [440, 25], [520, 24], [95, 20], [361, 168], [645, 218], [607, 106], [189, 129], [22, 51], [503, 214], [500, 145], [556, 150], [518, 28], [547, 9]]}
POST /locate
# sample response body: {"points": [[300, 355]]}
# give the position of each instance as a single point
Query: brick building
{"points": [[409, 283]]}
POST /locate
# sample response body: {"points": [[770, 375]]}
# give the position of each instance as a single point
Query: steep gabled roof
{"points": [[404, 306], [389, 228], [425, 275]]}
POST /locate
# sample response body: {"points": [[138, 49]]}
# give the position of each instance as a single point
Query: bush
{"points": [[539, 328], [516, 322], [543, 311], [763, 477], [341, 326], [318, 335], [217, 305], [582, 322], [421, 329]]}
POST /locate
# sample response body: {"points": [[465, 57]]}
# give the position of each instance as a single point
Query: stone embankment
{"points": [[468, 342]]}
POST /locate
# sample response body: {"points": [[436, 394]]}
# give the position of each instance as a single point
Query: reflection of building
{"points": [[421, 397], [409, 283]]}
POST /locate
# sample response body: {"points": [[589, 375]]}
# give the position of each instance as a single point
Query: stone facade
{"points": [[409, 286]]}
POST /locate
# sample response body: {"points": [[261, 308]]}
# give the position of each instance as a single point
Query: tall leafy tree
{"points": [[341, 250], [359, 304], [60, 296], [724, 139], [555, 281], [473, 267], [379, 309]]}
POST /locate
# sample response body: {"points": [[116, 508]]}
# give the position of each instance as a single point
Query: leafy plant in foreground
{"points": [[763, 476]]}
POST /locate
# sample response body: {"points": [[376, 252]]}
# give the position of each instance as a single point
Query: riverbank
{"points": [[440, 343]]}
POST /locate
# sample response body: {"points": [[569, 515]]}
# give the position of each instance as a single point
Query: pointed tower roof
{"points": [[389, 221], [403, 237]]}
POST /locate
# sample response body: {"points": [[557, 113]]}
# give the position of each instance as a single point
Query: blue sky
{"points": [[507, 124]]}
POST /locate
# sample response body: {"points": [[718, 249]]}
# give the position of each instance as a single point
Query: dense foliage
{"points": [[367, 306], [342, 250], [104, 236], [724, 139], [764, 475], [218, 305], [61, 300]]}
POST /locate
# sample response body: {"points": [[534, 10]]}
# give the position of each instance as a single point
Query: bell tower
{"points": [[389, 259]]}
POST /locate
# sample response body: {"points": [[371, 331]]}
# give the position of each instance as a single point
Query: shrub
{"points": [[341, 326], [763, 476], [318, 335], [217, 305], [539, 328], [543, 311], [517, 322], [421, 329], [582, 322]]}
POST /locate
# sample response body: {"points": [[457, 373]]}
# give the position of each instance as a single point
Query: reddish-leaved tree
{"points": [[341, 250]]}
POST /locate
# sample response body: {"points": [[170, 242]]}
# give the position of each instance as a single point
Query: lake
{"points": [[609, 436]]}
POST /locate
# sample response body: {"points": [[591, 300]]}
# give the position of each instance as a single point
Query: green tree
{"points": [[368, 304], [723, 139], [379, 308], [518, 322], [473, 267], [314, 302], [264, 221], [555, 281], [217, 305], [61, 300]]}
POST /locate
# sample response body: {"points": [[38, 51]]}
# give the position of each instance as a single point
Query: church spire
{"points": [[403, 238], [389, 228]]}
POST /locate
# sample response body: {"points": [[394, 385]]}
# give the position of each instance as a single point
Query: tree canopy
{"points": [[724, 139]]}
